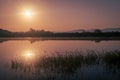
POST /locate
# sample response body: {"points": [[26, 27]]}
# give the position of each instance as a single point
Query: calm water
{"points": [[18, 59]]}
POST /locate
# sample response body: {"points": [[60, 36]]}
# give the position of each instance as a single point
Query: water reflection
{"points": [[59, 60], [24, 61], [28, 55], [33, 40], [70, 66]]}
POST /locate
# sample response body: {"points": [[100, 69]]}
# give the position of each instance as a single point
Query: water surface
{"points": [[14, 52]]}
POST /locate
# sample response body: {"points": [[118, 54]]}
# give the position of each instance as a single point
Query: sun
{"points": [[28, 13]]}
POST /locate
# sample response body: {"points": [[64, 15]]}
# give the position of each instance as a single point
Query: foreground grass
{"points": [[70, 62], [67, 66]]}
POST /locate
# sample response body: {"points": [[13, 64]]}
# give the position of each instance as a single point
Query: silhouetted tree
{"points": [[97, 31]]}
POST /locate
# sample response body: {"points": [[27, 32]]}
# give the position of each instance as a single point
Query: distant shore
{"points": [[63, 35]]}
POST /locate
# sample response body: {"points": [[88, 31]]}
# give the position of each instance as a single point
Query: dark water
{"points": [[24, 59]]}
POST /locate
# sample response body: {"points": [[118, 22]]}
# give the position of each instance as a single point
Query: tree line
{"points": [[43, 33]]}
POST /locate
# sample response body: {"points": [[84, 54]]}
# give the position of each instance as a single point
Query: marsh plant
{"points": [[72, 65]]}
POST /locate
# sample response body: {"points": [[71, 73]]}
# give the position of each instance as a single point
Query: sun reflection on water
{"points": [[28, 56]]}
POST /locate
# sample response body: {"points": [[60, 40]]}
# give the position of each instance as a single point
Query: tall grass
{"points": [[70, 62], [65, 67]]}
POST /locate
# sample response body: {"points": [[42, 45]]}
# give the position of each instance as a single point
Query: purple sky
{"points": [[60, 15]]}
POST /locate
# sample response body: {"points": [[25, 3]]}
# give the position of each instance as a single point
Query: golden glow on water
{"points": [[28, 55]]}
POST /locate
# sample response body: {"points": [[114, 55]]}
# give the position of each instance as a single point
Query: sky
{"points": [[59, 15]]}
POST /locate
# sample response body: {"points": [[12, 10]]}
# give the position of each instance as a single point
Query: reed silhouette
{"points": [[66, 66]]}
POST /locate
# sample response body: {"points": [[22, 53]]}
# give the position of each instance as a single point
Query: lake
{"points": [[59, 59]]}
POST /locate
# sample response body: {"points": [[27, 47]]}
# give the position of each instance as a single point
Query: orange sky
{"points": [[59, 15]]}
